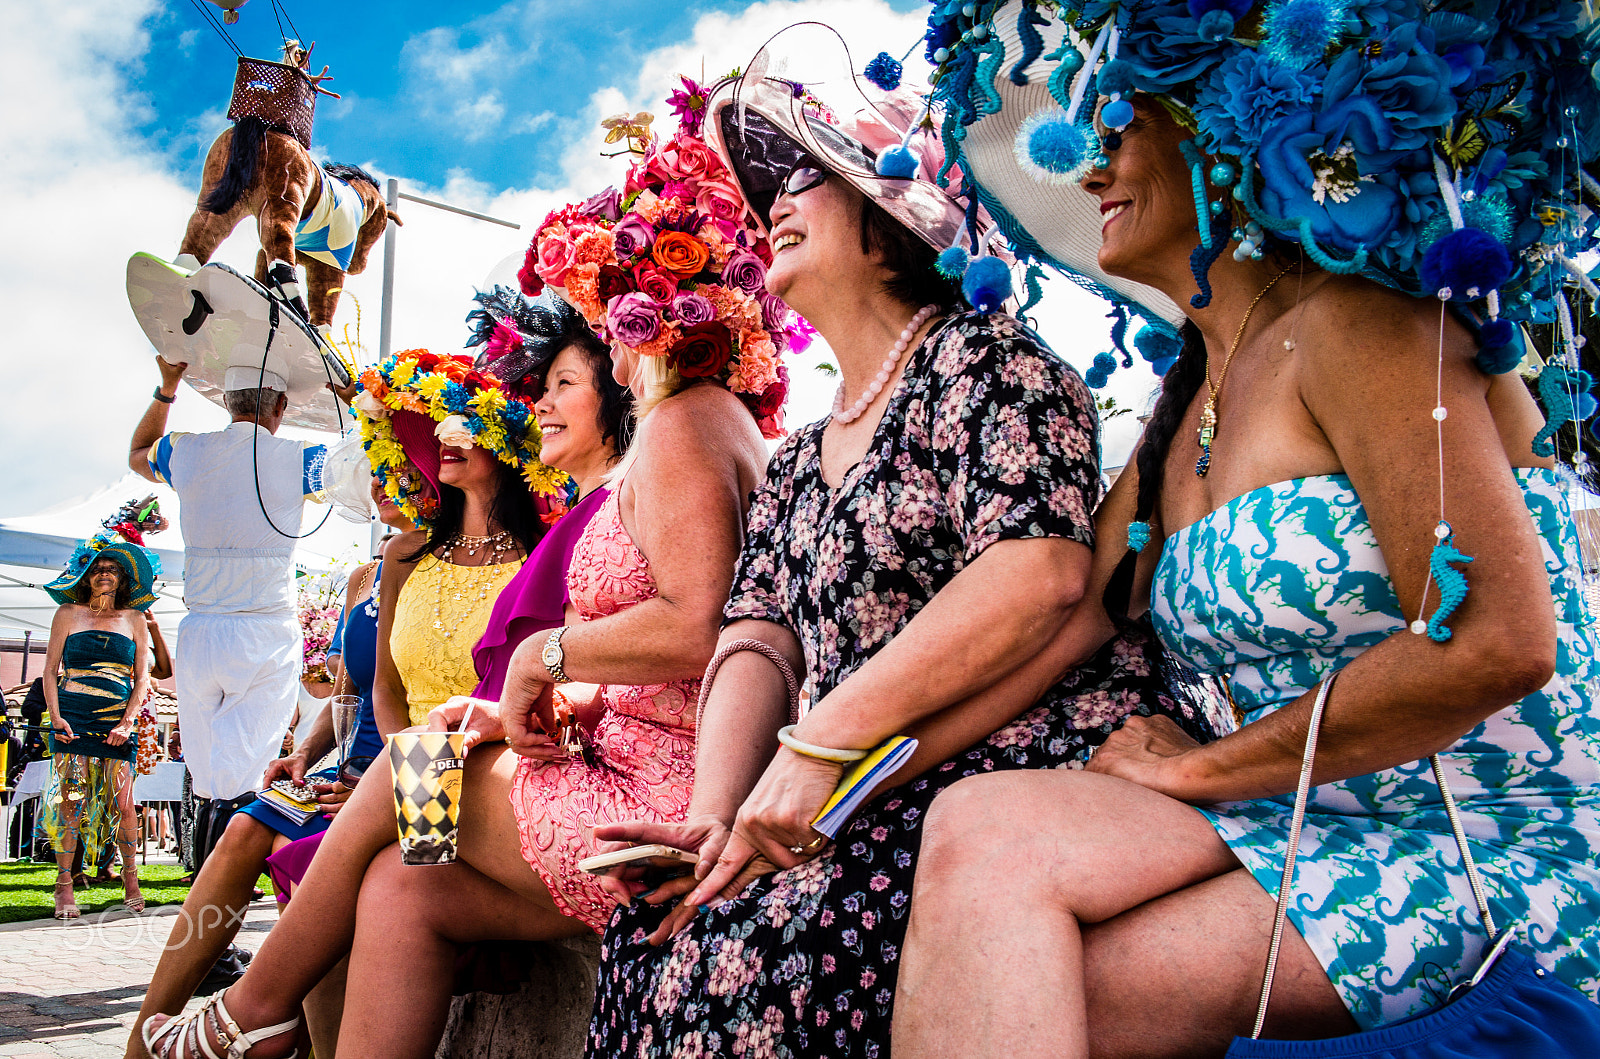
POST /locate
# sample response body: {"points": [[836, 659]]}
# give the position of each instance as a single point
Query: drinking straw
{"points": [[461, 728]]}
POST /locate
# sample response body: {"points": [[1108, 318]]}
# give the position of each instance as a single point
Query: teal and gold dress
{"points": [[1283, 586], [96, 681], [92, 694]]}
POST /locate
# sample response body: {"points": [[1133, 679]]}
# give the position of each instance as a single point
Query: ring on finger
{"points": [[810, 847]]}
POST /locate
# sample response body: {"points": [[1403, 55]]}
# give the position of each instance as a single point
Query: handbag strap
{"points": [[1286, 885]]}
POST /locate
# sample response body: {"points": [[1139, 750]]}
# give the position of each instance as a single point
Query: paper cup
{"points": [[427, 793]]}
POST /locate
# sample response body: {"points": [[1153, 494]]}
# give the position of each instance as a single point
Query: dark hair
{"points": [[1178, 387], [913, 277], [547, 327], [511, 509], [123, 599]]}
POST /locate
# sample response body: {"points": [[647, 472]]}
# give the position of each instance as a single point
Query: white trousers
{"points": [[238, 678]]}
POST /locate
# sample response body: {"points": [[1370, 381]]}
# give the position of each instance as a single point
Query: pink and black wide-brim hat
{"points": [[761, 125]]}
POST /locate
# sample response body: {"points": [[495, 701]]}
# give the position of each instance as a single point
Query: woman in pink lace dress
{"points": [[642, 743]]}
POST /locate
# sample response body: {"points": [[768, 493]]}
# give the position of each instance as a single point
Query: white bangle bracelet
{"points": [[821, 753]]}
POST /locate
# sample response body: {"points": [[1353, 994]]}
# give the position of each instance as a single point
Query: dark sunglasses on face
{"points": [[805, 175]]}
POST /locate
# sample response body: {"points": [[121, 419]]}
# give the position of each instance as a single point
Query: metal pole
{"points": [[386, 309], [27, 649], [457, 209]]}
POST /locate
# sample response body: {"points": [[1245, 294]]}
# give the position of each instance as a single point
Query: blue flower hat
{"points": [[139, 565], [1436, 148]]}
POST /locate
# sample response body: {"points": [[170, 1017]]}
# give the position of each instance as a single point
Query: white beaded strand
{"points": [[880, 380]]}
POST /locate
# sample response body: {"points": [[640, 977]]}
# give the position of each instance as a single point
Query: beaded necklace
{"points": [[497, 544]]}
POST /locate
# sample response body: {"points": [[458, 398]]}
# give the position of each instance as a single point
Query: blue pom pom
{"points": [[1215, 26], [1162, 366], [1586, 406], [1115, 78], [1155, 346], [1116, 114], [951, 262], [1495, 333], [1052, 149], [1297, 32], [1095, 379], [1104, 363], [1469, 261], [897, 163], [986, 284], [884, 71], [1138, 535]]}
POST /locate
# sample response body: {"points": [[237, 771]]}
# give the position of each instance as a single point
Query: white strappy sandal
{"points": [[210, 1020]]}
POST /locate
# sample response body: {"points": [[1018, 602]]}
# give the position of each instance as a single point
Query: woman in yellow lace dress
{"points": [[469, 491]]}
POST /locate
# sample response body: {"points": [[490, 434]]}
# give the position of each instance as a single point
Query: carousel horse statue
{"points": [[326, 217]]}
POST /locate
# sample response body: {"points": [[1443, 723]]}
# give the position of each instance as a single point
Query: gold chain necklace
{"points": [[1208, 414]]}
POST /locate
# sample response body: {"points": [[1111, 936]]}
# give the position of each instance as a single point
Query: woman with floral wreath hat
{"points": [[908, 557], [96, 676], [1336, 478]]}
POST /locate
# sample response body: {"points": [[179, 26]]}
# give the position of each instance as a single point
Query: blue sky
{"points": [[489, 92]]}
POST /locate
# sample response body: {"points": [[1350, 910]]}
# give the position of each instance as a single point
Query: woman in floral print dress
{"points": [[915, 560]]}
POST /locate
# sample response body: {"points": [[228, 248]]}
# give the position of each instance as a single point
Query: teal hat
{"points": [[141, 567]]}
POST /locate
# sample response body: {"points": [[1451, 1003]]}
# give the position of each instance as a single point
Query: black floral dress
{"points": [[988, 437]]}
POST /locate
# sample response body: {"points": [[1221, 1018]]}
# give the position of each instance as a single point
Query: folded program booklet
{"points": [[295, 801], [861, 781], [298, 802]]}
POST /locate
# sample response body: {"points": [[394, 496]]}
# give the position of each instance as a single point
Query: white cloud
{"points": [[480, 116]]}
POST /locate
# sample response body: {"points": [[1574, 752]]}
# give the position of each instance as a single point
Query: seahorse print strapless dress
{"points": [[1285, 585]]}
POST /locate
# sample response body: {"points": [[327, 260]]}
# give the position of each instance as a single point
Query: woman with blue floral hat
{"points": [[1338, 477], [96, 676]]}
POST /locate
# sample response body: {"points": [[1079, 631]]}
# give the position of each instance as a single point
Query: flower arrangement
{"points": [[470, 407], [670, 267], [318, 602]]}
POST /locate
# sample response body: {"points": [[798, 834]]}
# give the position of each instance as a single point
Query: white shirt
{"points": [[234, 561]]}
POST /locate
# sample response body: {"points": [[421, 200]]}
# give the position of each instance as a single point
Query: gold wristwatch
{"points": [[552, 656]]}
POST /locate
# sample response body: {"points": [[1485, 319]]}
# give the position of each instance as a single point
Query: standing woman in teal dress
{"points": [[1341, 475], [96, 676]]}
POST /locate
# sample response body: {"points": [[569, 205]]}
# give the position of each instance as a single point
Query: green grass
{"points": [[27, 890]]}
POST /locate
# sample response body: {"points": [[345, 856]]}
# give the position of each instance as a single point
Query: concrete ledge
{"points": [[547, 1018]]}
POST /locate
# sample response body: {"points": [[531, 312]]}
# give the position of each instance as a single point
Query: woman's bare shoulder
{"points": [[703, 419], [1350, 329]]}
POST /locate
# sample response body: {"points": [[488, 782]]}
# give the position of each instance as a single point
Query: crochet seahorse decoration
{"points": [[1560, 390], [1452, 586]]}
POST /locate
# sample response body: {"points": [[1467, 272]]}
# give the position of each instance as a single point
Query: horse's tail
{"points": [[248, 135]]}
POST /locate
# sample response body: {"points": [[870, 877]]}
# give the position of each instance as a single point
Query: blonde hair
{"points": [[654, 380]]}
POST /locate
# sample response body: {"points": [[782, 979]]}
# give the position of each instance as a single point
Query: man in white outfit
{"points": [[239, 655]]}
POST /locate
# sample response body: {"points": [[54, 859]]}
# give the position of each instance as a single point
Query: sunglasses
{"points": [[805, 174]]}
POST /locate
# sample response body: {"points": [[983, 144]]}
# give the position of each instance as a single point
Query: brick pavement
{"points": [[71, 990]]}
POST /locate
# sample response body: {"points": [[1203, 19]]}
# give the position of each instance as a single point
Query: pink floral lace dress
{"points": [[643, 742]]}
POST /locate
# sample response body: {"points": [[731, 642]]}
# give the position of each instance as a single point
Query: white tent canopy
{"points": [[34, 548]]}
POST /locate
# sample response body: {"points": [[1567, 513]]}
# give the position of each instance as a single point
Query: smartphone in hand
{"points": [[656, 856]]}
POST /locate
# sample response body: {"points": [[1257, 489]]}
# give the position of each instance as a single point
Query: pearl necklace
{"points": [[880, 380], [498, 544]]}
